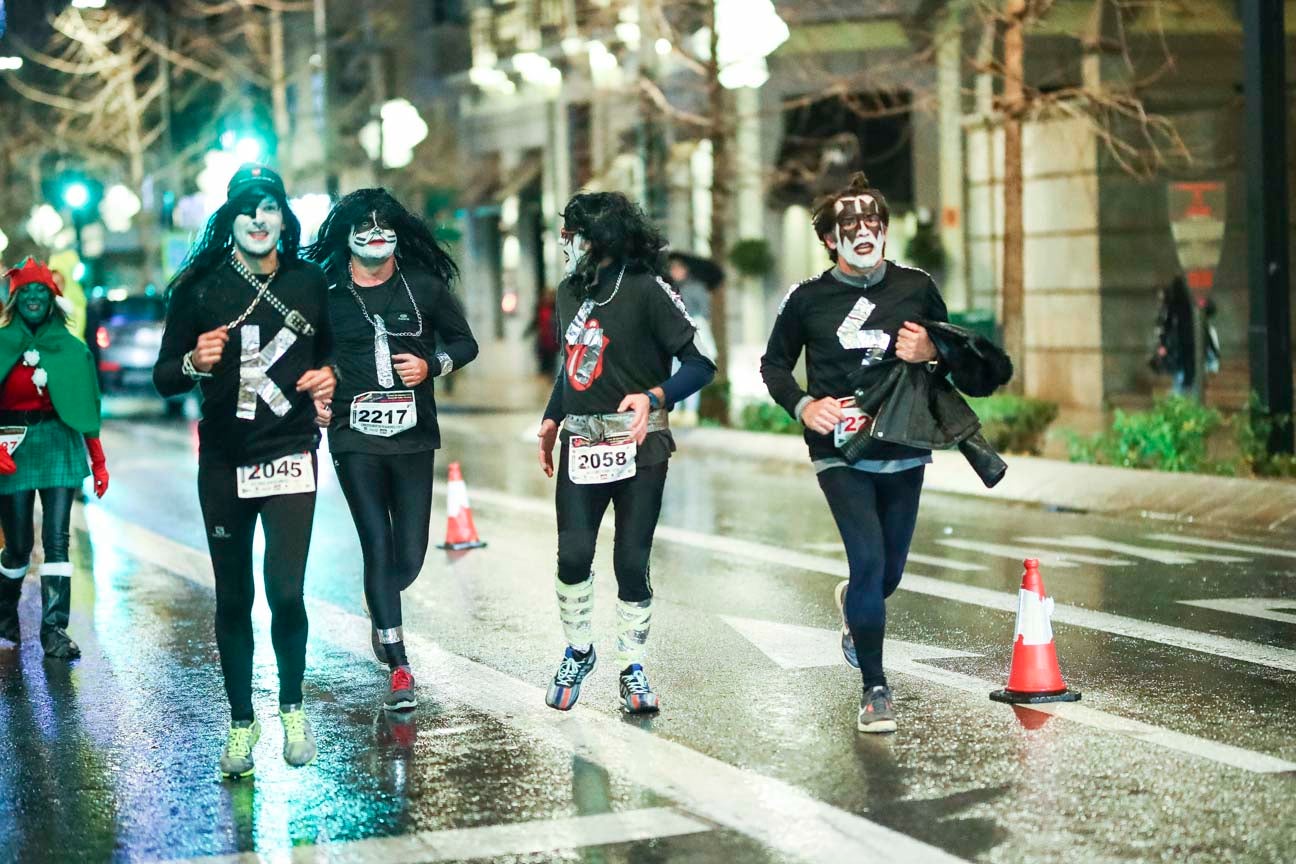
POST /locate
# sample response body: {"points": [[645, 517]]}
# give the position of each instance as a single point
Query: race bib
{"points": [[601, 463], [286, 475], [854, 421], [11, 437], [383, 412]]}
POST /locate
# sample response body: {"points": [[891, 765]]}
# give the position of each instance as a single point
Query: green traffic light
{"points": [[76, 195]]}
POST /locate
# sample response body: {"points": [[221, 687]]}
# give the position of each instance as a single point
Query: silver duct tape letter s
{"points": [[254, 366]]}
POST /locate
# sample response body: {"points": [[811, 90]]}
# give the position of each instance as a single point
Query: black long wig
{"points": [[416, 245], [217, 239], [616, 228]]}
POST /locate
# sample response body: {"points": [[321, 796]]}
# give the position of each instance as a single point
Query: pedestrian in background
{"points": [[247, 321], [694, 278], [1175, 354]]}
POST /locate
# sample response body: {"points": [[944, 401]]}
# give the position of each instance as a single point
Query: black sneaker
{"points": [[876, 712]]}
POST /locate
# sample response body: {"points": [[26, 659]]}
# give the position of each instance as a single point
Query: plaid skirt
{"points": [[51, 456]]}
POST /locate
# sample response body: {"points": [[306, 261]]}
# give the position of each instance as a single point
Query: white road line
{"points": [[1254, 607], [487, 841], [947, 563], [768, 810], [1151, 553], [1227, 545], [793, 646], [1105, 622], [1021, 553]]}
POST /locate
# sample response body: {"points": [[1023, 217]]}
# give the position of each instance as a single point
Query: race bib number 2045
{"points": [[287, 475]]}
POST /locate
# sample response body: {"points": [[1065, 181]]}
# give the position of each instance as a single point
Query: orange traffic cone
{"points": [[461, 533], [1035, 676]]}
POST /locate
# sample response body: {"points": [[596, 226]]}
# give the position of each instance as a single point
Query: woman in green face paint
{"points": [[49, 444]]}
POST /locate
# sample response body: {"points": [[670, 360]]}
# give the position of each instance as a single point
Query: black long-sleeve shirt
{"points": [[446, 337], [842, 327], [626, 347], [217, 299]]}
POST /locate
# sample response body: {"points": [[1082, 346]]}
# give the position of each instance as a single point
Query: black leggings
{"points": [[391, 503], [637, 501], [17, 518], [875, 514], [231, 526]]}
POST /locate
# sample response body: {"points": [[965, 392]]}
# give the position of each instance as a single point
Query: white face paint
{"points": [[257, 235], [573, 247], [372, 241], [860, 234]]}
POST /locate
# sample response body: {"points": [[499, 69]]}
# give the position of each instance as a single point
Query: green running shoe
{"points": [[299, 743], [236, 761]]}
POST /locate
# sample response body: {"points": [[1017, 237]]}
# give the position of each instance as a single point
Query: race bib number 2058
{"points": [[287, 475], [601, 463]]}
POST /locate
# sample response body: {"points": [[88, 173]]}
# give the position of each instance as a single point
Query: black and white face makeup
{"points": [[574, 247], [373, 240], [860, 234], [256, 234]]}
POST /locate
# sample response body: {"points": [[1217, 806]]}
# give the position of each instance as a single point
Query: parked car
{"points": [[125, 335]]}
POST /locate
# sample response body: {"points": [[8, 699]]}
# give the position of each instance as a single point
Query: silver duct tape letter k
{"points": [[254, 364]]}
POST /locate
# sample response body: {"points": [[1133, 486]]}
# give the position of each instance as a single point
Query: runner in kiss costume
{"points": [[873, 500], [249, 323], [391, 304], [49, 405], [621, 325]]}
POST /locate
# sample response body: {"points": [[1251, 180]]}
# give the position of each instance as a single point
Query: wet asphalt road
{"points": [[1181, 749]]}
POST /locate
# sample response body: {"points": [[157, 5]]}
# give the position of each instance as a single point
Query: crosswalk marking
{"points": [[1105, 622], [947, 563], [1255, 607], [1226, 545], [1150, 553], [1021, 553], [796, 646]]}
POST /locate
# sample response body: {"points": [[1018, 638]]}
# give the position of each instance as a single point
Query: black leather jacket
{"points": [[920, 407]]}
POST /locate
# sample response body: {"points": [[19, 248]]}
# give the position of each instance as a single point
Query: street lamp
{"points": [[748, 31], [88, 4], [10, 64]]}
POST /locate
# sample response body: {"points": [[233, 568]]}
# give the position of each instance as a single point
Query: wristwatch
{"points": [[653, 402]]}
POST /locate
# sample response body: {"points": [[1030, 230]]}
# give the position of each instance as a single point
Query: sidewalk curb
{"points": [[1265, 505]]}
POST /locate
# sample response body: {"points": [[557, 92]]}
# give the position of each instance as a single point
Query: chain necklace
{"points": [[588, 305], [294, 319], [382, 349], [376, 321]]}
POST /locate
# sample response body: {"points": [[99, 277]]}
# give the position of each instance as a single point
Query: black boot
{"points": [[10, 591], [56, 594], [11, 581]]}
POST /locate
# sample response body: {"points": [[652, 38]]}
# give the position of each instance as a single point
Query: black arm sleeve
{"points": [[695, 372], [452, 329], [554, 410], [178, 338], [781, 355]]}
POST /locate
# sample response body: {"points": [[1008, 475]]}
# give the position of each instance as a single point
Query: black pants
{"points": [[391, 503], [17, 518], [231, 526], [876, 515], [637, 502]]}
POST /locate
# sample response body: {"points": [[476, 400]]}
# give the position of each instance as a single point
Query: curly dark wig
{"points": [[214, 246], [824, 214], [416, 245], [616, 228]]}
